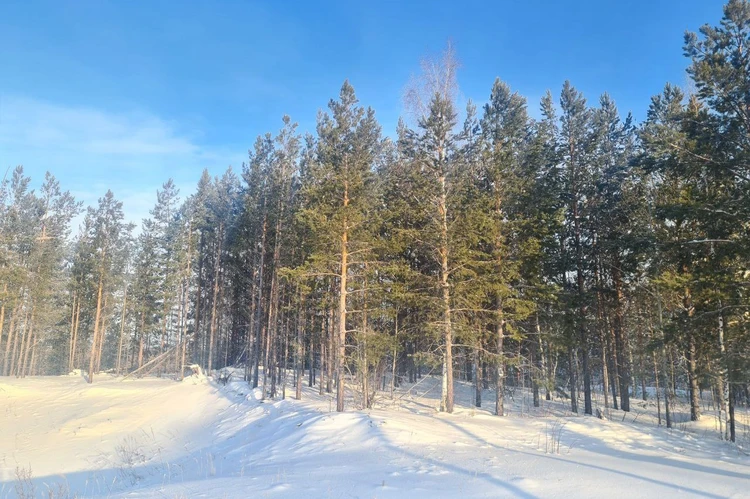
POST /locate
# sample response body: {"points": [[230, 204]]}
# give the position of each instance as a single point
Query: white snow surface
{"points": [[61, 437]]}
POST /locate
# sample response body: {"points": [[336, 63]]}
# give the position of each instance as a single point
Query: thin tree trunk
{"points": [[500, 368], [582, 335], [573, 380], [602, 332], [122, 331], [692, 363], [273, 308], [23, 364], [732, 403], [658, 392], [283, 360], [542, 357], [32, 363], [341, 360], [365, 363], [393, 365], [250, 345], [259, 300], [141, 342], [72, 329], [332, 341], [722, 385], [217, 271], [199, 338], [75, 334], [621, 342], [102, 335], [300, 364], [12, 326], [324, 339], [185, 292], [92, 358], [2, 317], [477, 377], [446, 398], [20, 332]]}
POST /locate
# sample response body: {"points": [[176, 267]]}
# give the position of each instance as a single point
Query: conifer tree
{"points": [[337, 192]]}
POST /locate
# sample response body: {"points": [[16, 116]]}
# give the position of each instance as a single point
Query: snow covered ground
{"points": [[60, 437]]}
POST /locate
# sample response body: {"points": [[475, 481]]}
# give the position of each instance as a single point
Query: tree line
{"points": [[577, 253]]}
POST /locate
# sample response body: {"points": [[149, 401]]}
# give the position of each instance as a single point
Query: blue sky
{"points": [[126, 94]]}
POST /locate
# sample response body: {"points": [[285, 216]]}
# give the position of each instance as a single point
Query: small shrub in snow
{"points": [[130, 455], [24, 484], [553, 431]]}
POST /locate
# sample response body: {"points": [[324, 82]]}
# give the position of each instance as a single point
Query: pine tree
{"points": [[435, 149], [105, 241], [576, 145], [337, 193], [505, 129]]}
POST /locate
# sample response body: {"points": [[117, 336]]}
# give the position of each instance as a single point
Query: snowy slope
{"points": [[160, 438]]}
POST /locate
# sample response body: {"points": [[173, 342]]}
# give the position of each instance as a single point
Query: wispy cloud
{"points": [[92, 150]]}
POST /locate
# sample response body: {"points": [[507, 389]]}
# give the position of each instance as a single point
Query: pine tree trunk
{"points": [[500, 368], [310, 352], [732, 404], [477, 378], [141, 342], [393, 365], [658, 388], [72, 328], [446, 398], [250, 343], [198, 337], [582, 335], [623, 367], [543, 369], [331, 350], [273, 310], [602, 331], [217, 270], [21, 330], [184, 300], [12, 333], [300, 364], [183, 326], [74, 349], [122, 331], [92, 359], [283, 360], [259, 300], [605, 370], [573, 380], [32, 362], [324, 338], [23, 359], [722, 385], [692, 365], [341, 364], [102, 335], [2, 318]]}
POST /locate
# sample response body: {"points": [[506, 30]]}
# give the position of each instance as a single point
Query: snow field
{"points": [[61, 437]]}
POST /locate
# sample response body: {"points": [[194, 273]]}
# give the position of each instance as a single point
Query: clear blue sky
{"points": [[126, 94]]}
